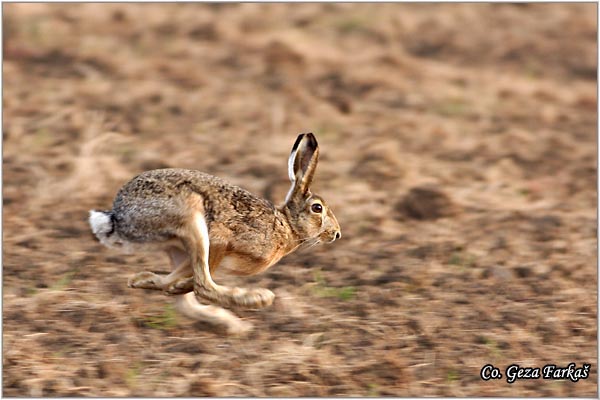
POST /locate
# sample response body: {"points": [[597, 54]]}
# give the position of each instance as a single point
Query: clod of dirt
{"points": [[341, 102], [279, 54], [380, 164], [425, 202], [119, 16], [498, 272], [204, 32], [546, 227], [524, 271]]}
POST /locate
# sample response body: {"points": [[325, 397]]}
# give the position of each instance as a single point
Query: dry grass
{"points": [[480, 117]]}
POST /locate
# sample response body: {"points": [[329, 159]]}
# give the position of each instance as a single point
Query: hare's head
{"points": [[309, 214]]}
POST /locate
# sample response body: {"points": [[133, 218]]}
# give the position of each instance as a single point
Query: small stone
{"points": [[542, 269], [500, 272], [523, 271]]}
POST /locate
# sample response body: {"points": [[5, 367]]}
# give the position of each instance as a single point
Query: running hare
{"points": [[202, 222]]}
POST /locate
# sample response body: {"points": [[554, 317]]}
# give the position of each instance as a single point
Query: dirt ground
{"points": [[458, 151]]}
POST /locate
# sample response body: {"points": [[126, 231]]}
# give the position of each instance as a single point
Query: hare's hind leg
{"points": [[197, 244], [179, 281]]}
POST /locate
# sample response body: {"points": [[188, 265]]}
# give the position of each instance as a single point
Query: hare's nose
{"points": [[338, 235]]}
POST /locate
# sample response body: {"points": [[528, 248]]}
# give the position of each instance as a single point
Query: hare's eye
{"points": [[316, 208]]}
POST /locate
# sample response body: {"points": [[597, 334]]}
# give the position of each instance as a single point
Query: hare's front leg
{"points": [[197, 245], [189, 306]]}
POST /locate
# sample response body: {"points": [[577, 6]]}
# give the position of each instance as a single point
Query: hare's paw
{"points": [[181, 286], [240, 297], [145, 280], [238, 327], [252, 298]]}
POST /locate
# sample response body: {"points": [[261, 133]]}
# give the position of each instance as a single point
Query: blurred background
{"points": [[458, 151]]}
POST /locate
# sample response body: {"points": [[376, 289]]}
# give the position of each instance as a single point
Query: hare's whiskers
{"points": [[316, 242], [303, 241]]}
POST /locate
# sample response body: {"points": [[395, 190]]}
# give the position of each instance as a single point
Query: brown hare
{"points": [[202, 222]]}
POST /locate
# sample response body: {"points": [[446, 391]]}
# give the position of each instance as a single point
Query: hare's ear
{"points": [[302, 163]]}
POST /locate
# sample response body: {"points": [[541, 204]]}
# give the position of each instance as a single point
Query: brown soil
{"points": [[458, 153]]}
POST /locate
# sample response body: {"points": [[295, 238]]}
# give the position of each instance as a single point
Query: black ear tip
{"points": [[311, 137]]}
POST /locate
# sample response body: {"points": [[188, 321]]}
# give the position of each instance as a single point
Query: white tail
{"points": [[103, 227]]}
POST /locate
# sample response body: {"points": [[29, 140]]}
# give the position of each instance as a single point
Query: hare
{"points": [[204, 223]]}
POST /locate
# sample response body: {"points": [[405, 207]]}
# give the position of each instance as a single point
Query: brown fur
{"points": [[190, 212]]}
